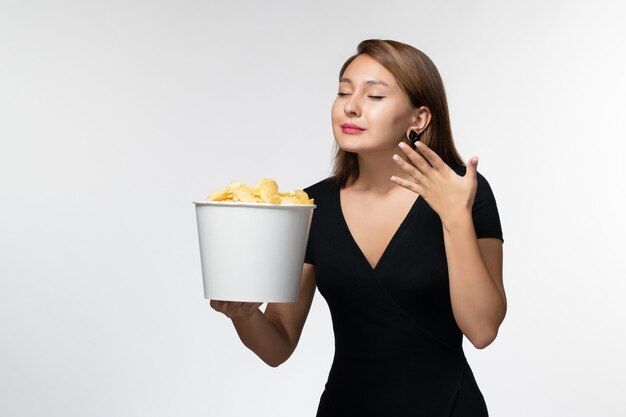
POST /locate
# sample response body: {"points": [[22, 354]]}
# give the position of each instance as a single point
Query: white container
{"points": [[252, 251]]}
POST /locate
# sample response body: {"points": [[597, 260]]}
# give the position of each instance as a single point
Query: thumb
{"points": [[472, 165]]}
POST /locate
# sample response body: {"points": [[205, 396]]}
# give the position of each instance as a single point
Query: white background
{"points": [[115, 115]]}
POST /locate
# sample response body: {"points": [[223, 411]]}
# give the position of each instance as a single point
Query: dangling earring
{"points": [[413, 136]]}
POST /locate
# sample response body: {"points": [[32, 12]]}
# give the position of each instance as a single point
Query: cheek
{"points": [[336, 116], [383, 119], [388, 123], [336, 112]]}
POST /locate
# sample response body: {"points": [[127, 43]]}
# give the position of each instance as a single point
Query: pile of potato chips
{"points": [[264, 191]]}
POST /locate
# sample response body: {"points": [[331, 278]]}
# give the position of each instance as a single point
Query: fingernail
{"points": [[402, 145], [396, 157]]}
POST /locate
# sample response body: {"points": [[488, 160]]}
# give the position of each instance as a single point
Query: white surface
{"points": [[108, 106], [252, 252]]}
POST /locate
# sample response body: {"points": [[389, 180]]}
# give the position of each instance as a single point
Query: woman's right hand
{"points": [[235, 309]]}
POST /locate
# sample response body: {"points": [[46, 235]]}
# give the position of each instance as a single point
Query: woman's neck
{"points": [[375, 169]]}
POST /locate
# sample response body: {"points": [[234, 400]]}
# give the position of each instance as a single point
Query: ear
{"points": [[420, 119]]}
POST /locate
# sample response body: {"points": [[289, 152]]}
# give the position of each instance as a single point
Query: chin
{"points": [[350, 146], [357, 145], [351, 143]]}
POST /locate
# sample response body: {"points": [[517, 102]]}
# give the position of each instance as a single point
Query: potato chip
{"points": [[244, 195], [233, 185], [302, 196], [264, 191], [218, 195], [289, 200], [268, 189]]}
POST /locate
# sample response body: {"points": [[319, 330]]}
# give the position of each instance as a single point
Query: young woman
{"points": [[405, 246]]}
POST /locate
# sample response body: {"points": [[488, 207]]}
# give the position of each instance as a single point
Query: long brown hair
{"points": [[418, 77]]}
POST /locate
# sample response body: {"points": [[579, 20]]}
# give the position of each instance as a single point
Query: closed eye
{"points": [[376, 97], [342, 94]]}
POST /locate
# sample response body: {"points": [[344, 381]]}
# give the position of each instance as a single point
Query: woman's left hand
{"points": [[446, 192]]}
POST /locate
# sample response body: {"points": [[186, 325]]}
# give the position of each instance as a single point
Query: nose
{"points": [[351, 107]]}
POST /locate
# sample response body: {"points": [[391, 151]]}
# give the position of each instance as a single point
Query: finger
{"points": [[251, 308], [418, 160], [409, 168], [472, 166], [244, 309], [410, 185], [430, 155], [221, 307], [238, 307]]}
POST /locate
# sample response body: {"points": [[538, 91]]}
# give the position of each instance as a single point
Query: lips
{"points": [[351, 129], [351, 126]]}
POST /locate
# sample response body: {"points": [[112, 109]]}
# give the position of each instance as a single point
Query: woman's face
{"points": [[371, 111]]}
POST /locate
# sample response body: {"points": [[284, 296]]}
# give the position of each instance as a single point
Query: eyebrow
{"points": [[373, 82]]}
